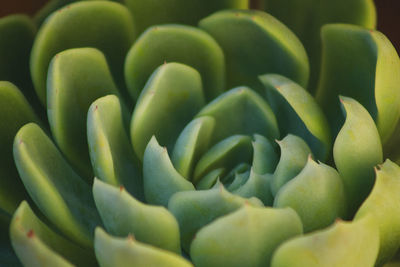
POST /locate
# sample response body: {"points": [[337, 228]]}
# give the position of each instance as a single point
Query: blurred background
{"points": [[388, 14]]}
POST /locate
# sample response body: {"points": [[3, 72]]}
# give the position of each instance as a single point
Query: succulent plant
{"points": [[199, 133]]}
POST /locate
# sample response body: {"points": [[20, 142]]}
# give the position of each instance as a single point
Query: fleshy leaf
{"points": [[37, 245], [306, 17], [61, 195], [240, 178], [175, 43], [256, 43], [104, 25], [241, 111], [294, 155], [15, 111], [225, 154], [195, 209], [316, 194], [356, 151], [265, 158], [209, 179], [260, 231], [171, 98], [191, 144], [383, 205], [147, 13], [152, 225], [353, 244], [257, 185], [298, 113], [363, 65], [76, 78], [111, 153], [160, 178], [124, 252]]}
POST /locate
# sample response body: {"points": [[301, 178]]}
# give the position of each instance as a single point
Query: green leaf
{"points": [[353, 244], [124, 252], [111, 153], [241, 111], [356, 151], [298, 113], [37, 245], [61, 195], [152, 225], [171, 98], [225, 154], [191, 144], [104, 25], [175, 43], [294, 155], [306, 17], [382, 204], [316, 194], [76, 78], [148, 13], [210, 179], [265, 158], [15, 111], [195, 209], [160, 178], [363, 65], [260, 231], [256, 43]]}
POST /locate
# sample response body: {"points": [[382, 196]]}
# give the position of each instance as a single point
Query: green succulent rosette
{"points": [[198, 133]]}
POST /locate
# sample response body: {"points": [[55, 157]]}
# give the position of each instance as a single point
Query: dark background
{"points": [[388, 14]]}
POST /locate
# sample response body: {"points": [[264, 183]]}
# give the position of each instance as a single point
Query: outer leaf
{"points": [[343, 244], [161, 180], [152, 225], [15, 111], [366, 67], [195, 209], [62, 196], [175, 43], [171, 98], [383, 204], [191, 144], [260, 231], [37, 245], [294, 155], [306, 17], [111, 153], [316, 194], [240, 111], [298, 113], [256, 43], [111, 252], [225, 154], [104, 25], [356, 151], [151, 12], [76, 78], [17, 33]]}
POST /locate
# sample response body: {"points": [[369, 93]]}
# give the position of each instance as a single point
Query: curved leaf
{"points": [[298, 113], [160, 178], [76, 78], [260, 231], [170, 99], [240, 111], [175, 43], [265, 158], [104, 25], [112, 251], [111, 153], [62, 196], [152, 225], [210, 179], [356, 151], [256, 43], [195, 209], [257, 185]]}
